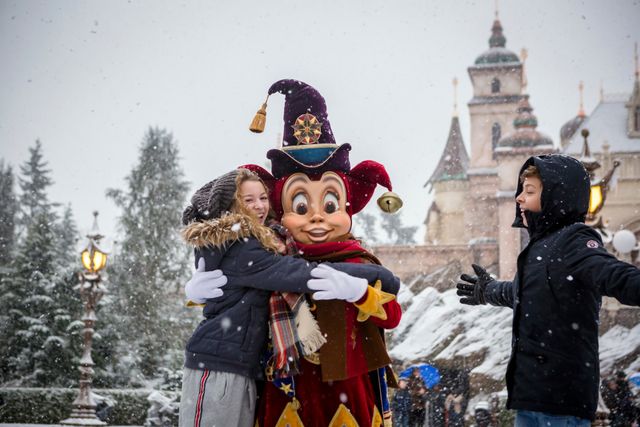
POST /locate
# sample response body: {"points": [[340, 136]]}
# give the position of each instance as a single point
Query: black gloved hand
{"points": [[472, 293]]}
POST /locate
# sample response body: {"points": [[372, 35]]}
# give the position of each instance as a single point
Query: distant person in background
{"points": [[617, 396], [416, 382], [455, 410], [401, 404], [482, 414], [435, 403], [418, 408]]}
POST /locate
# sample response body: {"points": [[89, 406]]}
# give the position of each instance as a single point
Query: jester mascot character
{"points": [[315, 192]]}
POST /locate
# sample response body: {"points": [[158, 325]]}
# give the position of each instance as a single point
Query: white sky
{"points": [[89, 77]]}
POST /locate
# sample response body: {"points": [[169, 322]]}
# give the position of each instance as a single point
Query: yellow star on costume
{"points": [[286, 388], [373, 304]]}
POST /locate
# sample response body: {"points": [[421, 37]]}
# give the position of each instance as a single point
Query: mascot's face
{"points": [[315, 211]]}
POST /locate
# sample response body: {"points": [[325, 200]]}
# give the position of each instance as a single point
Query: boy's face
{"points": [[530, 198]]}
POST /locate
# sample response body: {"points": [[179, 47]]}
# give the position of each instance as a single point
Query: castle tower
{"points": [[497, 78], [511, 153], [445, 218]]}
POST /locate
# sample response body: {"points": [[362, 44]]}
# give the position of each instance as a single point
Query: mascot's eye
{"points": [[331, 203], [300, 204]]}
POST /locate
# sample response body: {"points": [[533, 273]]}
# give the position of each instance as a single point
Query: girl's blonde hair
{"points": [[263, 233]]}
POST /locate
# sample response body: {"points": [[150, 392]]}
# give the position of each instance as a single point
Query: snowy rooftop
{"points": [[608, 122]]}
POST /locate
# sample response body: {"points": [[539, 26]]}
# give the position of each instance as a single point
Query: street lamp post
{"points": [[93, 259], [599, 187]]}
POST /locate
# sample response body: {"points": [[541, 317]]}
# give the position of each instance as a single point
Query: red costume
{"points": [[320, 399]]}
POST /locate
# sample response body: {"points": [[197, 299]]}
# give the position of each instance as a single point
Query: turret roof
{"points": [[497, 53], [525, 134], [454, 161]]}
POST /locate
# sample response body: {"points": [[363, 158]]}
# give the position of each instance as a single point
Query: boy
{"points": [[553, 373]]}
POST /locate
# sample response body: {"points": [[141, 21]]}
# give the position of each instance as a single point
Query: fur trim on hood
{"points": [[226, 229]]}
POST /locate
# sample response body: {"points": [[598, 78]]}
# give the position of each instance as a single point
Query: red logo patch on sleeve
{"points": [[592, 244]]}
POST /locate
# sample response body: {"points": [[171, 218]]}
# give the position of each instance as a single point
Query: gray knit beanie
{"points": [[212, 199]]}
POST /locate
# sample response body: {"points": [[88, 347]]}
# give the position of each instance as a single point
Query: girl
{"points": [[225, 224]]}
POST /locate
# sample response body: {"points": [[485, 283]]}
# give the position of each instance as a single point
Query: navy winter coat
{"points": [[234, 332], [556, 297]]}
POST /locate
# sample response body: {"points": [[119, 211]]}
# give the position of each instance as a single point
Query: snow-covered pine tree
{"points": [[29, 299], [396, 231], [8, 215], [8, 211], [34, 182], [366, 225], [38, 351], [65, 342], [147, 272]]}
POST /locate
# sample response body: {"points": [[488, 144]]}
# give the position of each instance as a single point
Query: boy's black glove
{"points": [[472, 293]]}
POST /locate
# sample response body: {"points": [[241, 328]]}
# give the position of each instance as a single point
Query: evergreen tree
{"points": [[147, 273], [8, 211], [398, 233], [34, 183], [64, 345], [37, 298], [366, 224]]}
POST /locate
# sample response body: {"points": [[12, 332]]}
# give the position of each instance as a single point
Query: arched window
{"points": [[495, 85], [496, 133]]}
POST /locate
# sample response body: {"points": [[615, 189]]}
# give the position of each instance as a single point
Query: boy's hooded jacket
{"points": [[556, 296], [233, 334]]}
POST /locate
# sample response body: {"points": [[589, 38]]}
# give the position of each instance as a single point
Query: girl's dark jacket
{"points": [[556, 297], [233, 334]]}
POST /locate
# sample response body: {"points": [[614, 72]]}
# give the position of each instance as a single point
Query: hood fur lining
{"points": [[228, 228]]}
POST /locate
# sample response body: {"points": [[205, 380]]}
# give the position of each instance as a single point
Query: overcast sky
{"points": [[88, 78]]}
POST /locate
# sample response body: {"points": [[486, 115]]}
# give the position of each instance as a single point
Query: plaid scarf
{"points": [[294, 330]]}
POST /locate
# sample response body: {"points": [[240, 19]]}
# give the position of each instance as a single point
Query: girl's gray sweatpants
{"points": [[220, 399]]}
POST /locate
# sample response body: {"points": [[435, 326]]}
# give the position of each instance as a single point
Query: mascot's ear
{"points": [[263, 174], [363, 179]]}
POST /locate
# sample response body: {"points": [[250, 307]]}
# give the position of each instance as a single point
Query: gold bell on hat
{"points": [[260, 119], [390, 202]]}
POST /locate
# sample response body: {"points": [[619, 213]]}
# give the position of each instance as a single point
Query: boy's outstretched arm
{"points": [[482, 289], [591, 264]]}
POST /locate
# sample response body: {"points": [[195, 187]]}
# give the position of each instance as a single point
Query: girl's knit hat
{"points": [[212, 199]]}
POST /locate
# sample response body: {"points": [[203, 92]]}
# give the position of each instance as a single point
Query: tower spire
{"points": [[455, 97], [581, 89], [523, 57], [497, 39], [497, 10]]}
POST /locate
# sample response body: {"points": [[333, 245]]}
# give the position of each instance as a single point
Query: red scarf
{"points": [[349, 249]]}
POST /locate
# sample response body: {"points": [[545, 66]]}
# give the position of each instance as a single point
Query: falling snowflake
{"points": [[225, 323], [570, 278], [235, 227]]}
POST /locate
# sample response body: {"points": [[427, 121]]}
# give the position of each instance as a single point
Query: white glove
{"points": [[204, 285], [334, 284]]}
